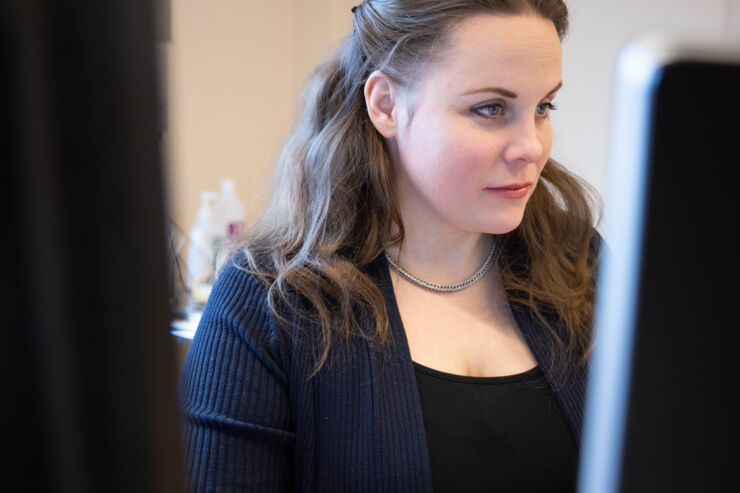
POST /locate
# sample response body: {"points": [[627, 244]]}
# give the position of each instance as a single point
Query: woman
{"points": [[413, 309]]}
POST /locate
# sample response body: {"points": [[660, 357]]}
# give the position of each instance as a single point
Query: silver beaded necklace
{"points": [[443, 288]]}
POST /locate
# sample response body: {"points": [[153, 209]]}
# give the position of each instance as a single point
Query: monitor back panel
{"points": [[671, 386]]}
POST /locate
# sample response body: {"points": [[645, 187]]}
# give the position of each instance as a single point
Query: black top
{"points": [[496, 433]]}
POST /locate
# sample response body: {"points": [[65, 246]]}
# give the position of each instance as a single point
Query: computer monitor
{"points": [[90, 377], [661, 411]]}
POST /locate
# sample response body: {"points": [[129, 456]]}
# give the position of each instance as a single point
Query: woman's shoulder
{"points": [[238, 309], [598, 249], [237, 287], [597, 244]]}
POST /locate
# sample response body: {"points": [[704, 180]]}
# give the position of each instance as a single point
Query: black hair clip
{"points": [[354, 9]]}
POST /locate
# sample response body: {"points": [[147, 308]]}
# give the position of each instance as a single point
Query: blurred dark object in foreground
{"points": [[89, 366], [661, 410]]}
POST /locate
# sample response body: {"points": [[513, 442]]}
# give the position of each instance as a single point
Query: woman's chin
{"points": [[503, 225]]}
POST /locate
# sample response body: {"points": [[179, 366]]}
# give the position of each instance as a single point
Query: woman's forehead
{"points": [[502, 31], [483, 49]]}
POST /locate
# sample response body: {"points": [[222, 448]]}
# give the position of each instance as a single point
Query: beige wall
{"points": [[235, 70]]}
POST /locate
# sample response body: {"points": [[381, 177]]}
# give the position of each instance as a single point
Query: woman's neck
{"points": [[442, 257]]}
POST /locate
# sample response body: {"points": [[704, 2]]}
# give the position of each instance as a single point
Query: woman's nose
{"points": [[525, 144]]}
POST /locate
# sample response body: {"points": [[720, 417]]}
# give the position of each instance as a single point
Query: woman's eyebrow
{"points": [[507, 93]]}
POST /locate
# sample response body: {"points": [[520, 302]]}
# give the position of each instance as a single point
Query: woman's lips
{"points": [[513, 191]]}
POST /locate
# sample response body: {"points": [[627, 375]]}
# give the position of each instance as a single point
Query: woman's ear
{"points": [[381, 98]]}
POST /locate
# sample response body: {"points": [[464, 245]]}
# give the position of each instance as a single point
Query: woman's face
{"points": [[470, 152]]}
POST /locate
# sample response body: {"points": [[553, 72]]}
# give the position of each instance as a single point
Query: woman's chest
{"points": [[475, 336]]}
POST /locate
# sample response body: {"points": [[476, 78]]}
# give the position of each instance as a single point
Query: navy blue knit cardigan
{"points": [[254, 422]]}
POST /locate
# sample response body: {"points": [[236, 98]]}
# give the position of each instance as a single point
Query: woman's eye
{"points": [[544, 108], [490, 110]]}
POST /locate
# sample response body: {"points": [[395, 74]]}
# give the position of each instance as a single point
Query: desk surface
{"points": [[182, 334]]}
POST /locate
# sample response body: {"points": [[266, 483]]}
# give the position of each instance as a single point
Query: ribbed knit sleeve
{"points": [[238, 434]]}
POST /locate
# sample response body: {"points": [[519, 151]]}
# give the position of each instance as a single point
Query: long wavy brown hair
{"points": [[334, 200]]}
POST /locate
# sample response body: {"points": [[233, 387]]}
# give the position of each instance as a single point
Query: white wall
{"points": [[598, 29], [236, 68]]}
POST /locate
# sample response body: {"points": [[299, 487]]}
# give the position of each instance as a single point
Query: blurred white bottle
{"points": [[203, 248], [228, 210]]}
